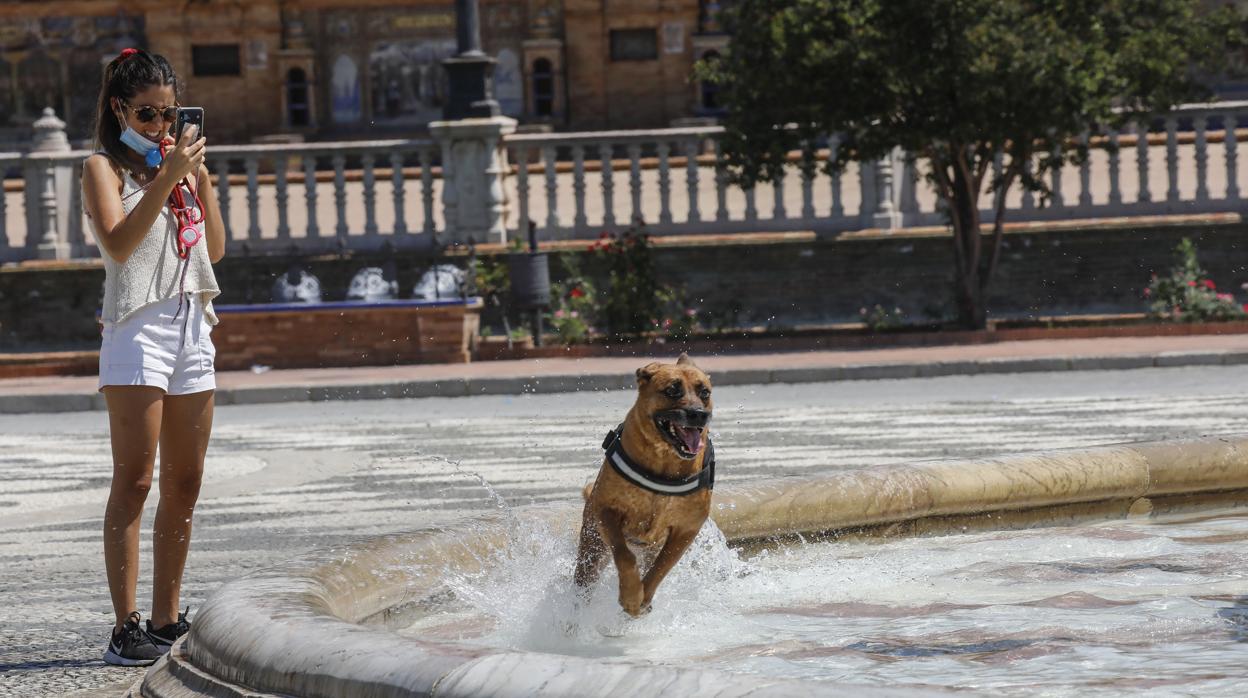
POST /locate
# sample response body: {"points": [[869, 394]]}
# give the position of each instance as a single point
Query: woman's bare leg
{"points": [[187, 425], [134, 414]]}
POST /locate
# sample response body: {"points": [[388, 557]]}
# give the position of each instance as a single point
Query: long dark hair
{"points": [[131, 72]]}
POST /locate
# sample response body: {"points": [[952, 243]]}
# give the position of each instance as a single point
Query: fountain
{"points": [[1103, 570]]}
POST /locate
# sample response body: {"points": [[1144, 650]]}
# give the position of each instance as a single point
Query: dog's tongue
{"points": [[691, 437]]}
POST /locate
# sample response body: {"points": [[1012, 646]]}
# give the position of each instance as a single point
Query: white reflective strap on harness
{"points": [[637, 474]]}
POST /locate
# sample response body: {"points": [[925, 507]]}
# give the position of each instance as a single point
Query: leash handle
{"points": [[187, 216]]}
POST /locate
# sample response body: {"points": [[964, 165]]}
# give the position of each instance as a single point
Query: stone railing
{"points": [[577, 184], [478, 180]]}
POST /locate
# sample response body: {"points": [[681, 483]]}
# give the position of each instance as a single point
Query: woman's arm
{"points": [[214, 226], [116, 233], [119, 234]]}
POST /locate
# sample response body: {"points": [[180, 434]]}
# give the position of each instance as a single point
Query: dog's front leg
{"points": [[678, 540], [590, 552], [631, 590]]}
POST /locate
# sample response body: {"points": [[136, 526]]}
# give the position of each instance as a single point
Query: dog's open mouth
{"points": [[675, 427]]}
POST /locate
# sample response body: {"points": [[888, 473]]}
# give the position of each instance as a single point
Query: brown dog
{"points": [[653, 490]]}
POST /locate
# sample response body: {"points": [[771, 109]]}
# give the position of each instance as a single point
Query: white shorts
{"points": [[152, 347]]}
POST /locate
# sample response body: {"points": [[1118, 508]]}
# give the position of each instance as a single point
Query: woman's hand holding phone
{"points": [[186, 156]]}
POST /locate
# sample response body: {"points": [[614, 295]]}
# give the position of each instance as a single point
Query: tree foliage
{"points": [[957, 82]]}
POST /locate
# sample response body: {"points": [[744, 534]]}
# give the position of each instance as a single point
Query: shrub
{"points": [[1187, 294]]}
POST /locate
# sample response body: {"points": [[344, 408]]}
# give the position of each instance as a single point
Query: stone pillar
{"points": [[474, 163], [888, 171], [48, 190]]}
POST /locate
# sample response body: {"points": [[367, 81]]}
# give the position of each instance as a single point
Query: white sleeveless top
{"points": [[153, 272]]}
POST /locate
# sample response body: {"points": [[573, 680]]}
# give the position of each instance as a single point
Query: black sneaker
{"points": [[164, 637], [130, 646]]}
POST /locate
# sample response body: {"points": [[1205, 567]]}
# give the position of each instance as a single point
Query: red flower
{"points": [[604, 235], [576, 292], [1209, 283], [1148, 292], [1192, 284]]}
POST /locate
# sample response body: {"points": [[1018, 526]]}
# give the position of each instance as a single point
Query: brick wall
{"points": [[368, 336], [783, 284]]}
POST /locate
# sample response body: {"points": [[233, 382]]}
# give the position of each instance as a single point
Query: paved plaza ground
{"points": [[286, 478]]}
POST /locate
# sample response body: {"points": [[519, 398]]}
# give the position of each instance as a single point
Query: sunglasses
{"points": [[147, 114]]}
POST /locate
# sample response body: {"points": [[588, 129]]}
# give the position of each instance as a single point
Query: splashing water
{"points": [[1135, 606], [528, 595]]}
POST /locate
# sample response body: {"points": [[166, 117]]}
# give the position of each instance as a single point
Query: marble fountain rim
{"points": [[316, 625]]}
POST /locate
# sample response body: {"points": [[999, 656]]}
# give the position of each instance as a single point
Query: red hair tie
{"points": [[127, 52]]}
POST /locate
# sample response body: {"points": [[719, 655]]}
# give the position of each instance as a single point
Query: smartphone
{"points": [[189, 115]]}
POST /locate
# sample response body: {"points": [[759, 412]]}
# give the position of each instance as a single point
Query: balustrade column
{"points": [[398, 193], [808, 182], [751, 203], [1202, 160], [252, 165], [777, 192], [552, 190], [368, 160], [691, 180], [1141, 161], [834, 177], [721, 184], [282, 196], [223, 194], [1055, 187], [50, 244], [426, 190], [1085, 173], [665, 185], [634, 181], [608, 186], [579, 222], [522, 192], [1029, 196], [1115, 178], [309, 194], [1172, 159], [1229, 123], [340, 195]]}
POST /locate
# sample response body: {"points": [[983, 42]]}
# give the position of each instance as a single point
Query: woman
{"points": [[143, 194]]}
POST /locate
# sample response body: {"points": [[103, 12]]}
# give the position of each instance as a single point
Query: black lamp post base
{"points": [[469, 94]]}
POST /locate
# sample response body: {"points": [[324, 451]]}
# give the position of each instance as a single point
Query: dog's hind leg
{"points": [[591, 551], [678, 540]]}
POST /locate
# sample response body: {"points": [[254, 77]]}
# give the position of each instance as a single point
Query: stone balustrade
{"points": [[478, 180]]}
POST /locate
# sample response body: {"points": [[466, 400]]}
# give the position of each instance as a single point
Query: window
{"points": [[297, 97], [543, 88], [215, 59], [634, 44]]}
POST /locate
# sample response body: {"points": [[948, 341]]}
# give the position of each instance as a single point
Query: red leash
{"points": [[188, 235]]}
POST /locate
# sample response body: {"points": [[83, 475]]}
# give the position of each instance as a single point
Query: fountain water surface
{"points": [[1082, 572]]}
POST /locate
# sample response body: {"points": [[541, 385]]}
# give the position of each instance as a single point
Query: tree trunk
{"points": [[968, 290]]}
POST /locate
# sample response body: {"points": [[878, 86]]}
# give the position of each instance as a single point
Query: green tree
{"points": [[955, 82]]}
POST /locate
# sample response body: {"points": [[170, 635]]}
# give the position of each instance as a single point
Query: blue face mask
{"points": [[149, 150]]}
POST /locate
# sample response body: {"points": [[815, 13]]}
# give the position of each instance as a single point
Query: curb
{"points": [[567, 383]]}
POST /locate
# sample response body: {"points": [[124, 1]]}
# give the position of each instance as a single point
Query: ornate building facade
{"points": [[362, 68]]}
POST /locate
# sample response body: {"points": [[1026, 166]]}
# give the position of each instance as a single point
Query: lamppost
{"points": [[471, 71]]}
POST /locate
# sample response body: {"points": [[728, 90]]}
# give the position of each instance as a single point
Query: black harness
{"points": [[637, 474]]}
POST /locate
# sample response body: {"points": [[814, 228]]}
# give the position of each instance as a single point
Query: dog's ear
{"points": [[647, 372], [684, 360]]}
